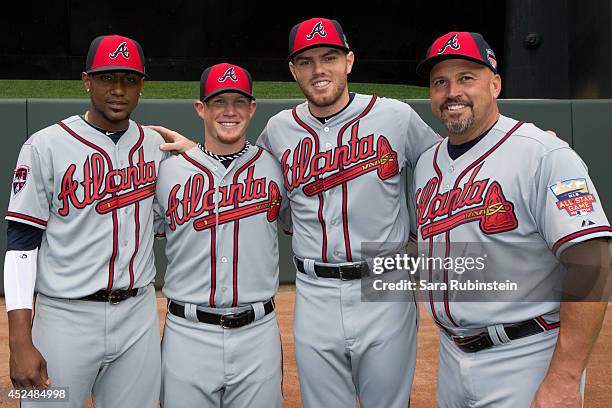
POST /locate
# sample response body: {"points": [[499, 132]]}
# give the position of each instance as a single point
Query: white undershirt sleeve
{"points": [[19, 278]]}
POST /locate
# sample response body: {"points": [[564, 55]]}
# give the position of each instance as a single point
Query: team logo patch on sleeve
{"points": [[573, 196], [20, 177]]}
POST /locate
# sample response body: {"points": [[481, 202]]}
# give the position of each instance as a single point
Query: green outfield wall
{"points": [[585, 124]]}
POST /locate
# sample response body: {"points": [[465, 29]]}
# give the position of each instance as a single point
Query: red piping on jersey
{"points": [[578, 234], [136, 205], [213, 233], [26, 218], [320, 211], [461, 175], [545, 325], [160, 235], [431, 302], [111, 263], [354, 132], [236, 226]]}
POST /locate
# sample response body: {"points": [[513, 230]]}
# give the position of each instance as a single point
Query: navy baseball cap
{"points": [[458, 44], [115, 53], [316, 32], [225, 78]]}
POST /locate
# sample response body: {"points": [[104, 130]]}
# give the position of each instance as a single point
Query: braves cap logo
{"points": [[317, 29], [228, 74], [491, 58], [121, 49], [451, 42]]}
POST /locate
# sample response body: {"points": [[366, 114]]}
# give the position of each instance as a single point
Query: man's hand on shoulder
{"points": [[175, 142]]}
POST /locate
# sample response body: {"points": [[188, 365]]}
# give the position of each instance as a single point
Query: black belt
{"points": [[482, 341], [343, 272], [111, 296], [227, 321]]}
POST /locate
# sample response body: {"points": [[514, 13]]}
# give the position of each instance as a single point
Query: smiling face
{"points": [[464, 97], [226, 119], [114, 95], [322, 75]]}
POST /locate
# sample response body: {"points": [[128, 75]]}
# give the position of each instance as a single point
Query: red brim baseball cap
{"points": [[115, 53], [316, 32], [458, 44], [225, 78]]}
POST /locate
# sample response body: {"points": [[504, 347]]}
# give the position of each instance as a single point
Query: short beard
{"points": [[459, 127], [324, 102]]}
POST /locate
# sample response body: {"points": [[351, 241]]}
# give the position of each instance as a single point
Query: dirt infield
{"points": [[598, 391]]}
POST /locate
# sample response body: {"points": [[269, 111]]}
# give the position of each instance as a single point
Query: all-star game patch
{"points": [[20, 178], [573, 196]]}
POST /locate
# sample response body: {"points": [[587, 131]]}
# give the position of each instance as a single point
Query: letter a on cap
{"points": [[228, 74], [317, 29], [121, 49]]}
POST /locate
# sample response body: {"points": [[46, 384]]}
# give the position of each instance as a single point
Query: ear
{"points": [[292, 69], [350, 60], [142, 82], [253, 108], [86, 81], [496, 85], [199, 106]]}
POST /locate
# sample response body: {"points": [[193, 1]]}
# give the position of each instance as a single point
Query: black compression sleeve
{"points": [[22, 237]]}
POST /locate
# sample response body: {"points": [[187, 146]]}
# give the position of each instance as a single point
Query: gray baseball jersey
{"points": [[222, 249], [343, 177], [523, 213], [344, 188], [94, 198], [220, 225]]}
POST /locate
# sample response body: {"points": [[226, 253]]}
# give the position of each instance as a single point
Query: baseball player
{"points": [[80, 233], [526, 198], [220, 201], [341, 156]]}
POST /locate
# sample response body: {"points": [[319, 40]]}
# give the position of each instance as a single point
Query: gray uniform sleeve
{"points": [[263, 140], [30, 190], [420, 138], [411, 202], [568, 209], [285, 215], [159, 220]]}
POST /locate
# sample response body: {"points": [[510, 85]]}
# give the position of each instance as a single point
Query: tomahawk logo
{"points": [[228, 74], [317, 29], [121, 49], [451, 42]]}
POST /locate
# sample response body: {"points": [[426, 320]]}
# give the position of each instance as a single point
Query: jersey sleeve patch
{"points": [[573, 197], [20, 178]]}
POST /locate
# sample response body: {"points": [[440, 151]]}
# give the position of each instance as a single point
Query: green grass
{"points": [[60, 89]]}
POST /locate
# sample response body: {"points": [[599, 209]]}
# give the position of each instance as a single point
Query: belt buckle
{"points": [[473, 343], [226, 319], [349, 270], [114, 297], [232, 320]]}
